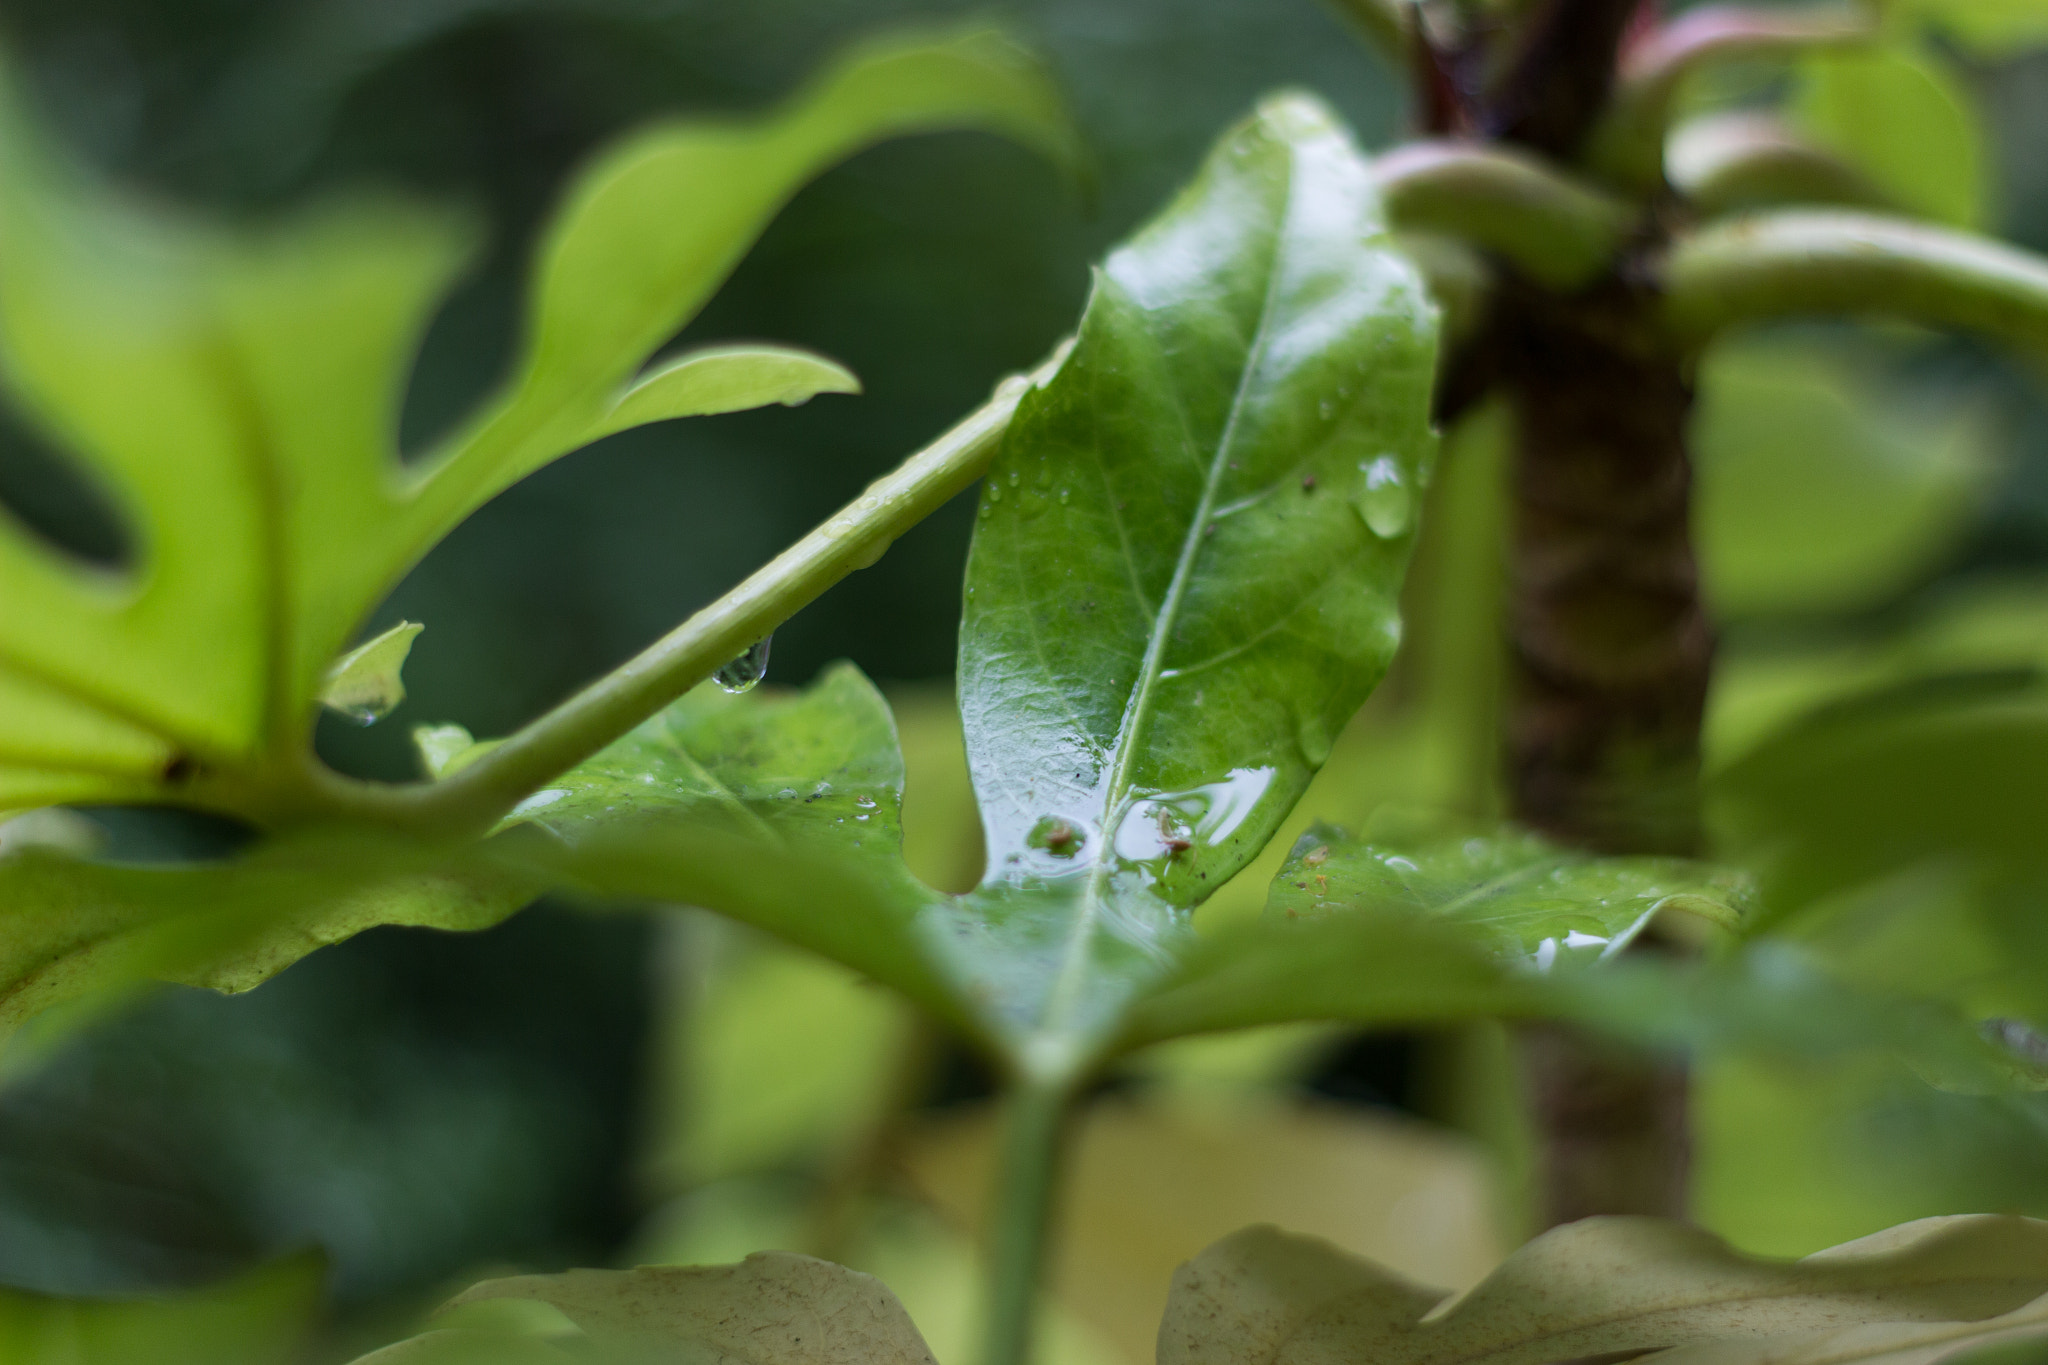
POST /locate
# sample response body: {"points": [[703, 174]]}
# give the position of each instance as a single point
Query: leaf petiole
{"points": [[853, 538]]}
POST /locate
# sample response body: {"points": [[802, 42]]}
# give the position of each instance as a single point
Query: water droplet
{"points": [[1063, 497], [1015, 478], [1056, 836], [864, 802], [858, 817], [1382, 497], [742, 673], [995, 491], [366, 714], [1326, 409]]}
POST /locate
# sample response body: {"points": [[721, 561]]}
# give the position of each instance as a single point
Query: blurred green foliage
{"points": [[1874, 517]]}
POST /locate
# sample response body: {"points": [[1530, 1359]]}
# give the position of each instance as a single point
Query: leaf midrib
{"points": [[1067, 985]]}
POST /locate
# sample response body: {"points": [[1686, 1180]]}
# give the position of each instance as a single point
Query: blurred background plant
{"points": [[576, 1089]]}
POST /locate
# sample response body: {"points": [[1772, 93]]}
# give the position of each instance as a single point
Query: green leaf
{"points": [[455, 1346], [780, 810], [236, 393], [774, 1308], [1603, 1286], [1528, 899], [726, 379], [82, 934], [1898, 115], [1183, 579], [1820, 489], [261, 1318], [367, 684], [1182, 585], [1985, 29]]}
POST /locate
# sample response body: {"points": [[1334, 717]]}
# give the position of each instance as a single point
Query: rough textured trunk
{"points": [[1609, 659]]}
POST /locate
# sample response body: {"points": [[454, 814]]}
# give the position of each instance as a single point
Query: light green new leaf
{"points": [[774, 1308], [368, 682], [261, 1318], [236, 394], [1601, 1287], [1896, 113], [1183, 579], [1531, 901], [726, 379]]}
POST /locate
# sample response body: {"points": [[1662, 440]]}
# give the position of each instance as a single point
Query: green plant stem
{"points": [[1554, 230], [1796, 263], [1021, 1216], [855, 537]]}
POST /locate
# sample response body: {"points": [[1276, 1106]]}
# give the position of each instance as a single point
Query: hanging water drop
{"points": [[742, 673], [1382, 497]]}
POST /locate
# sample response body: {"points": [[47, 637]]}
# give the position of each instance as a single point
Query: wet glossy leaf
{"points": [[1183, 578], [774, 1308], [237, 395], [1594, 1288], [261, 1318], [1532, 901]]}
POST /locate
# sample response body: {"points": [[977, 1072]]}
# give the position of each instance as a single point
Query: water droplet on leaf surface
{"points": [[1382, 497], [748, 669]]}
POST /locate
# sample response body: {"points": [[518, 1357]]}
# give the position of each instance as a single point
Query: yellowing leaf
{"points": [[1593, 1288], [774, 1308]]}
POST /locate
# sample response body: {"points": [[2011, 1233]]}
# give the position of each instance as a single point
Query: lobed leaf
{"points": [[237, 394], [1596, 1288]]}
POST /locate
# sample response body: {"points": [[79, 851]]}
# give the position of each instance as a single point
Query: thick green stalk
{"points": [[1800, 263], [1555, 230], [1021, 1217], [852, 539]]}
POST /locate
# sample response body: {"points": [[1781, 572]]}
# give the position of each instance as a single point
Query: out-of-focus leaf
{"points": [[368, 682], [1987, 629], [1597, 1287], [260, 1318], [726, 379], [1148, 1184], [774, 1308], [786, 1057], [1899, 116], [1817, 491], [1183, 578], [464, 1347], [78, 933], [1986, 29], [1930, 769], [1530, 899], [237, 395]]}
